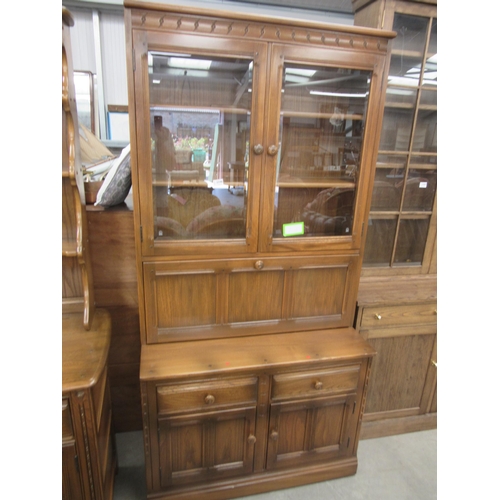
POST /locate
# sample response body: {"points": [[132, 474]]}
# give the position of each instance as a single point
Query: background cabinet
{"points": [[398, 287]]}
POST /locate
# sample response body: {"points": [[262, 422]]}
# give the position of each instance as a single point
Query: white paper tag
{"points": [[422, 185]]}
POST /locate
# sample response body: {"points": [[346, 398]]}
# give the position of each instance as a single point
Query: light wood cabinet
{"points": [[398, 290], [398, 318], [252, 377]]}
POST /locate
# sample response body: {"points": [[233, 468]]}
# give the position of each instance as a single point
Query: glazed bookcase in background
{"points": [[401, 235]]}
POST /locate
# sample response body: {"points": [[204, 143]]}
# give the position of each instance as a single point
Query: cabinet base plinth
{"points": [[261, 483]]}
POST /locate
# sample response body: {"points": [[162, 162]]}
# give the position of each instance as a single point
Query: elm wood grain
{"points": [[190, 300], [84, 353], [89, 455], [398, 373], [206, 357]]}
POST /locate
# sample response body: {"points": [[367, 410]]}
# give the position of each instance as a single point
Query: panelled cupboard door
{"points": [[312, 430], [203, 446], [71, 482], [188, 300], [246, 144]]}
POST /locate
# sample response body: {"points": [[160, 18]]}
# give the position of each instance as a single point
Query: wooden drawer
{"points": [[67, 426], [408, 314], [339, 380], [200, 396]]}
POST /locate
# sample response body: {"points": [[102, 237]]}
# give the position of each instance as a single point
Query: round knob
{"points": [[251, 439], [209, 399], [378, 316], [258, 149], [318, 385], [274, 435], [259, 264], [272, 150]]}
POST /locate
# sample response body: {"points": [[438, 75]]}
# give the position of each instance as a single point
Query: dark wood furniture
{"points": [[88, 450], [252, 377], [399, 280]]}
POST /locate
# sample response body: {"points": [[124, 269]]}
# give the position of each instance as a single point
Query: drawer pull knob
{"points": [[318, 385], [434, 363], [378, 316], [251, 439], [259, 264], [274, 435], [209, 399]]}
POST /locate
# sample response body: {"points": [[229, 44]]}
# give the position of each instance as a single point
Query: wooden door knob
{"points": [[318, 385], [209, 399], [378, 316], [272, 150], [258, 149], [251, 439], [259, 264], [274, 435]]}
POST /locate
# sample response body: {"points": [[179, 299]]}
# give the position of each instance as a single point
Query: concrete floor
{"points": [[402, 467]]}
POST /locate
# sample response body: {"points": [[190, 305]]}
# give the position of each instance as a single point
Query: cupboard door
{"points": [[206, 446], [318, 156], [187, 300], [200, 102], [310, 431], [71, 483]]}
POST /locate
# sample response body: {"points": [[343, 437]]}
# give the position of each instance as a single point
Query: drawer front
{"points": [[67, 426], [339, 380], [201, 396], [409, 314]]}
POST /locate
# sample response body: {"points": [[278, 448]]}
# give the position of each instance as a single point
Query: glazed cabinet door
{"points": [[199, 115], [321, 130], [206, 446]]}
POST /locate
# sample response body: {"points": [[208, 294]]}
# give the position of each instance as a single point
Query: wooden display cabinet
{"points": [[397, 300], [252, 377]]}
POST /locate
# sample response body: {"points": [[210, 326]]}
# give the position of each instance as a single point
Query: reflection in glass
{"points": [[379, 241], [410, 245], [321, 131], [420, 190], [387, 189], [200, 126], [430, 73]]}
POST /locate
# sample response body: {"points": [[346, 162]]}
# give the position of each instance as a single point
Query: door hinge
{"points": [[133, 59], [140, 232], [354, 407], [362, 229]]}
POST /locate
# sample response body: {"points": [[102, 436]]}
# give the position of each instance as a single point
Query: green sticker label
{"points": [[293, 229]]}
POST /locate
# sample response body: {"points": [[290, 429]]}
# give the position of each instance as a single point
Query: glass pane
{"points": [[379, 241], [425, 137], [200, 124], [407, 49], [430, 75], [420, 189], [396, 129], [411, 241], [387, 189], [321, 131]]}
